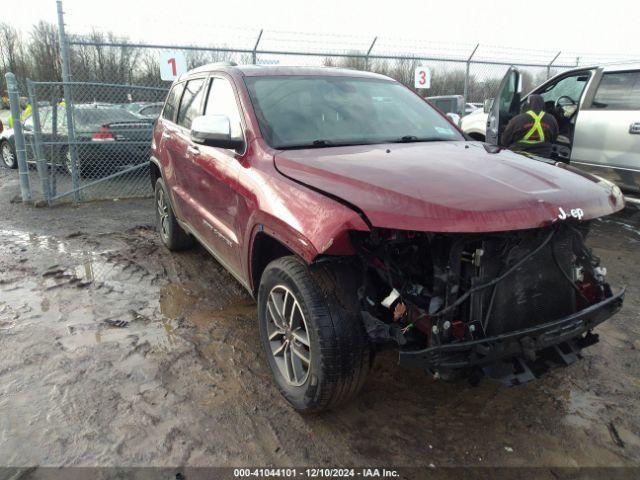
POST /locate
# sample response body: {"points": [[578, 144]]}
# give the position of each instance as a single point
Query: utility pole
{"points": [[68, 101], [21, 151], [466, 80]]}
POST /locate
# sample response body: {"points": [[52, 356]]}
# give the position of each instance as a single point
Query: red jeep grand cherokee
{"points": [[362, 219]]}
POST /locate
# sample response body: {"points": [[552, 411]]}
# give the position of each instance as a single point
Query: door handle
{"points": [[634, 128], [193, 150]]}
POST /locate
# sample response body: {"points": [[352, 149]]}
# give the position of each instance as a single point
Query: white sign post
{"points": [[422, 77], [172, 65]]}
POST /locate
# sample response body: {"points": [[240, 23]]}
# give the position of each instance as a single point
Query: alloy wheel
{"points": [[288, 335], [8, 157]]}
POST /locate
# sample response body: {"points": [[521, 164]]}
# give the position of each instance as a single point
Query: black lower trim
{"points": [[521, 343]]}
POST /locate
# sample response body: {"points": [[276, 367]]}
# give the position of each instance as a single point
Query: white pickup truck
{"points": [[598, 112]]}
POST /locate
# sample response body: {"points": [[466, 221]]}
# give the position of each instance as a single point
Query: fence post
{"points": [[18, 137], [366, 59], [466, 80], [41, 162], [551, 63], [254, 53], [68, 101]]}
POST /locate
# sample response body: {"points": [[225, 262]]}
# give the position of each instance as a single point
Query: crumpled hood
{"points": [[450, 186]]}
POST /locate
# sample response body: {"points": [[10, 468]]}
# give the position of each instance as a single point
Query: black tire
{"points": [[339, 351], [8, 154], [171, 233]]}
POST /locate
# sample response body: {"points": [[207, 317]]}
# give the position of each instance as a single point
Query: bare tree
{"points": [[12, 53], [44, 52]]}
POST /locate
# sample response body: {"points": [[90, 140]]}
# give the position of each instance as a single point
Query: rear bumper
{"points": [[525, 343]]}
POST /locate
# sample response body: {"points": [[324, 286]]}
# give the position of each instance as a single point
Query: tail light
{"points": [[103, 135]]}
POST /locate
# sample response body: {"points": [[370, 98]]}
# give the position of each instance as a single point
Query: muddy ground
{"points": [[114, 351]]}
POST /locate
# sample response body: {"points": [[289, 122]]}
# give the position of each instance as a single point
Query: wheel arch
{"points": [[265, 248], [155, 172]]}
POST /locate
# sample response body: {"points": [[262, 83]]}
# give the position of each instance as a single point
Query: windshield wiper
{"points": [[413, 138], [320, 143]]}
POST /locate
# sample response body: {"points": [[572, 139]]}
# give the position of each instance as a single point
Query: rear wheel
{"points": [[8, 154], [171, 233], [312, 332]]}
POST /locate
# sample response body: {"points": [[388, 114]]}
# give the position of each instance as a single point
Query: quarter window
{"points": [[222, 101], [171, 105], [191, 101], [618, 91]]}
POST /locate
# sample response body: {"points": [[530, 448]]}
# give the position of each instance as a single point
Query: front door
{"points": [[215, 180], [505, 106]]}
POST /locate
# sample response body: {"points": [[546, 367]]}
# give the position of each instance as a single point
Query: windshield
{"points": [[305, 111]]}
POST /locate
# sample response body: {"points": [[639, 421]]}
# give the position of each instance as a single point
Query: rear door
{"points": [[179, 146], [607, 133], [168, 149], [505, 106]]}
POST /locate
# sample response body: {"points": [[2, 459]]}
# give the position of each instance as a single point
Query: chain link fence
{"points": [[98, 148], [88, 137]]}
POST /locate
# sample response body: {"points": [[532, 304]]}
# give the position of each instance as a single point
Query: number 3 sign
{"points": [[172, 65], [422, 77]]}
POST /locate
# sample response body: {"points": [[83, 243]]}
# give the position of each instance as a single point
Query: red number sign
{"points": [[172, 62]]}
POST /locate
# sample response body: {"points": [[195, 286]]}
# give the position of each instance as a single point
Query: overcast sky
{"points": [[571, 26]]}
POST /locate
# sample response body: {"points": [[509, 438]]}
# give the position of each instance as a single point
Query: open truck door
{"points": [[505, 106]]}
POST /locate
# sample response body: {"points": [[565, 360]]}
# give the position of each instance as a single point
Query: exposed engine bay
{"points": [[431, 295]]}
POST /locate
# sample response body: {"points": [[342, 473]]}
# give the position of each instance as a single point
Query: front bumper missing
{"points": [[565, 337]]}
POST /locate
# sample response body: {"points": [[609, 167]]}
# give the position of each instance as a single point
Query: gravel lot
{"points": [[115, 352]]}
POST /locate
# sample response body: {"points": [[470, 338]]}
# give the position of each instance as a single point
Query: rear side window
{"points": [[152, 110], [222, 101], [90, 119], [171, 105], [447, 105], [191, 101], [618, 91]]}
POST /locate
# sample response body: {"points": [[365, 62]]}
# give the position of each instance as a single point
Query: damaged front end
{"points": [[507, 305]]}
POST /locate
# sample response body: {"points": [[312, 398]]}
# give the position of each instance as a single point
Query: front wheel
{"points": [[312, 332], [8, 154]]}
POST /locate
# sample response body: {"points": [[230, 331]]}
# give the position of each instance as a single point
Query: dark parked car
{"points": [[150, 110], [361, 219], [108, 138]]}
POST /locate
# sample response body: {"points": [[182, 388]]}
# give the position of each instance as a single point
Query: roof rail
{"points": [[209, 66]]}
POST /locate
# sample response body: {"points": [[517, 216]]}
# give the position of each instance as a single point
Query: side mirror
{"points": [[1, 127], [214, 131], [460, 106], [487, 105], [455, 118]]}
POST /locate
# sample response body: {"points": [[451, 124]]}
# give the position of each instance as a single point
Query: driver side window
{"points": [[571, 87]]}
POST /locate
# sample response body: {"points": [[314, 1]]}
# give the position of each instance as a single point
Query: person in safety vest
{"points": [[533, 131], [26, 113]]}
